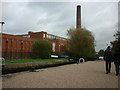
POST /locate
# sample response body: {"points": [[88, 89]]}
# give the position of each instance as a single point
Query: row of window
{"points": [[17, 44], [19, 41], [54, 37]]}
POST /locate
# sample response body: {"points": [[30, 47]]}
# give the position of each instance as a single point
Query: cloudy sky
{"points": [[101, 18]]}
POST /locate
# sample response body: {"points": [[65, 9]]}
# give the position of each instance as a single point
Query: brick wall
{"points": [[18, 46], [37, 35]]}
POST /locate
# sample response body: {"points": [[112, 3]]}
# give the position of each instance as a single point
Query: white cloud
{"points": [[57, 17]]}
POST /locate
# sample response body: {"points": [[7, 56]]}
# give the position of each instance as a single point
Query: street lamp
{"points": [[21, 48], [2, 23]]}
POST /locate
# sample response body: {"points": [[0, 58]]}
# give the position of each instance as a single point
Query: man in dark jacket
{"points": [[116, 58], [108, 59]]}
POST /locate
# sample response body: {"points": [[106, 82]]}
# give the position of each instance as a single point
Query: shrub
{"points": [[41, 49]]}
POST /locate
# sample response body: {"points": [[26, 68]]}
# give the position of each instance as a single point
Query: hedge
{"points": [[18, 67]]}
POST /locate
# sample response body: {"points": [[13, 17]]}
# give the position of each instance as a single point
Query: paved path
{"points": [[90, 74]]}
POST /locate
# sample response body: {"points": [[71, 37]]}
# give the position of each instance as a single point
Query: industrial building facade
{"points": [[20, 46]]}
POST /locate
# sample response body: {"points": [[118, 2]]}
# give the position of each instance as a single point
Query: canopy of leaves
{"points": [[81, 43], [41, 49], [101, 52], [116, 43]]}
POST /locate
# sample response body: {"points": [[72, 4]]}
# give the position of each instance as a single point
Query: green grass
{"points": [[28, 60]]}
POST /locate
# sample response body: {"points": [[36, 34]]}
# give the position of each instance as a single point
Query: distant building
{"points": [[20, 46]]}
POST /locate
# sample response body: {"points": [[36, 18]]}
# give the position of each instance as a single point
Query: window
{"points": [[53, 47], [43, 35]]}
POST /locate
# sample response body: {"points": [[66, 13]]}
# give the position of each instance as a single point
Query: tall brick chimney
{"points": [[78, 17]]}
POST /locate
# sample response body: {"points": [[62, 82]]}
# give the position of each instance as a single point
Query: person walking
{"points": [[116, 59], [108, 59]]}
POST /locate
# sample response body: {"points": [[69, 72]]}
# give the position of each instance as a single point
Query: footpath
{"points": [[90, 74]]}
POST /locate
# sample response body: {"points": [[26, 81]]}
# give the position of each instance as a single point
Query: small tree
{"points": [[41, 49], [101, 52], [81, 43], [116, 43]]}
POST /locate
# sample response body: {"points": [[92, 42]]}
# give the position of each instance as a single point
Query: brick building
{"points": [[20, 46]]}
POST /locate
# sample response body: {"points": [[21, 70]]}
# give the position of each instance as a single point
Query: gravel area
{"points": [[90, 74]]}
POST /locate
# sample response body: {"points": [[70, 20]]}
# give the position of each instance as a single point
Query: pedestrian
{"points": [[108, 59], [116, 59]]}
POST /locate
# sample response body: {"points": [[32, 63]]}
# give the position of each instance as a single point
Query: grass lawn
{"points": [[28, 60]]}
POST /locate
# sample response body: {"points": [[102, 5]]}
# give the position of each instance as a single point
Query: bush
{"points": [[81, 43], [41, 49]]}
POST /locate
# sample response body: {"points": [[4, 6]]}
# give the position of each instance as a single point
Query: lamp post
{"points": [[2, 23], [21, 49], [6, 53]]}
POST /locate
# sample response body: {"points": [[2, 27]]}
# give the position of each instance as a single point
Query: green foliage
{"points": [[29, 60], [81, 43], [101, 52], [116, 43], [41, 49]]}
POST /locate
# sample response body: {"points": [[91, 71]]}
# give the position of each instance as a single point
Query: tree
{"points": [[101, 52], [41, 49], [81, 43], [116, 43]]}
